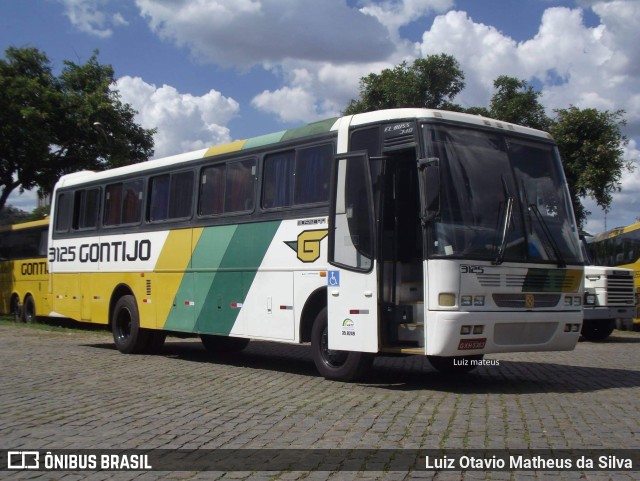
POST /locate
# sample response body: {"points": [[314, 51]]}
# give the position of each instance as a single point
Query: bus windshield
{"points": [[502, 198]]}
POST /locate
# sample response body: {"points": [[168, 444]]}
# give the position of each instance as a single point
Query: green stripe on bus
{"points": [[315, 128], [263, 140], [551, 280], [223, 267]]}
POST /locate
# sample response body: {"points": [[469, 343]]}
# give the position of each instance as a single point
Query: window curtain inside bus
{"points": [[132, 202], [277, 180], [159, 198], [240, 186], [312, 174], [89, 203], [113, 202], [212, 185], [181, 195]]}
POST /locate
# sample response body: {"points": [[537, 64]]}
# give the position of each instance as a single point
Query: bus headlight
{"points": [[589, 299], [446, 299]]}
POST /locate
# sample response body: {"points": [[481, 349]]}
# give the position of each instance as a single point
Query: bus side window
{"points": [[212, 184], [312, 174], [278, 173], [123, 203], [112, 204], [64, 212], [240, 186], [158, 198], [132, 202], [181, 195], [85, 210], [170, 196]]}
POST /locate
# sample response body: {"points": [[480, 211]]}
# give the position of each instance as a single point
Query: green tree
{"points": [[517, 102], [28, 101], [50, 126], [591, 145], [431, 82]]}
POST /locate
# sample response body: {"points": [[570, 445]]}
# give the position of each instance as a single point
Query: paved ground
{"points": [[73, 390]]}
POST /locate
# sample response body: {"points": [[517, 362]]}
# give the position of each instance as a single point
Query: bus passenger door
{"points": [[352, 281]]}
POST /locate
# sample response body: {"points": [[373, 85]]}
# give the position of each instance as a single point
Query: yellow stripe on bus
{"points": [[226, 148], [174, 260]]}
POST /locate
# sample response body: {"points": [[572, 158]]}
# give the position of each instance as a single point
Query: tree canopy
{"points": [[591, 147], [53, 125], [590, 142], [430, 82]]}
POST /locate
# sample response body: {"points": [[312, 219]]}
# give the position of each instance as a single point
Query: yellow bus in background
{"points": [[24, 275], [620, 247]]}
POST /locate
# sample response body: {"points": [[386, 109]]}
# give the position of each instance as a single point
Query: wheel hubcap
{"points": [[331, 357], [123, 325]]}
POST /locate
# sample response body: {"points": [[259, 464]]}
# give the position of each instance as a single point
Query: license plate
{"points": [[470, 344]]}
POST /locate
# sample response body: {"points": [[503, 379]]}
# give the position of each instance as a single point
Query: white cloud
{"points": [[90, 16], [301, 104], [394, 14], [484, 53], [184, 122], [249, 32]]}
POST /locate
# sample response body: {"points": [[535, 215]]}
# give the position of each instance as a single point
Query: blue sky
{"points": [[210, 71]]}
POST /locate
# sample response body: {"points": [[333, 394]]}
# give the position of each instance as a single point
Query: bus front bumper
{"points": [[452, 333]]}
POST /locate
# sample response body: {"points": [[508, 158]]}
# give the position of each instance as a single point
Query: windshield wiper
{"points": [[547, 233], [508, 213]]}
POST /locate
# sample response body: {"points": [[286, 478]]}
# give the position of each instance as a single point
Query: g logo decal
{"points": [[308, 244]]}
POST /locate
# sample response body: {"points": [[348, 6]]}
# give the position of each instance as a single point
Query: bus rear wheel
{"points": [[128, 336], [332, 364], [29, 309]]}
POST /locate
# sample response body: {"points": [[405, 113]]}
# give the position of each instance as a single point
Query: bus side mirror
{"points": [[430, 176]]}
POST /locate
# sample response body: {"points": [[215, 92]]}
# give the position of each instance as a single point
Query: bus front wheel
{"points": [[332, 364], [128, 336], [596, 330]]}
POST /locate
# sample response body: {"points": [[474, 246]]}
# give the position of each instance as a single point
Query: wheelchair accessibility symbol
{"points": [[333, 279]]}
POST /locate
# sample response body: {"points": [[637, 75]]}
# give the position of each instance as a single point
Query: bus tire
{"points": [[455, 364], [223, 344], [343, 366], [596, 330], [128, 336], [29, 309]]}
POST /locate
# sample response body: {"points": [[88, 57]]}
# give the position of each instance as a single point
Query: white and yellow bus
{"points": [[620, 247], [24, 277], [405, 231]]}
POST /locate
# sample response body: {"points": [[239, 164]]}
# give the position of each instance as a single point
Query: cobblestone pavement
{"points": [[72, 390]]}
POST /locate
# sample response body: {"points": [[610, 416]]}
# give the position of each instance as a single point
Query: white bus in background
{"points": [[407, 231]]}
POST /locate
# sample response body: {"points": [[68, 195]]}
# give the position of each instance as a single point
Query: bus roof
{"points": [[616, 231], [316, 128]]}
